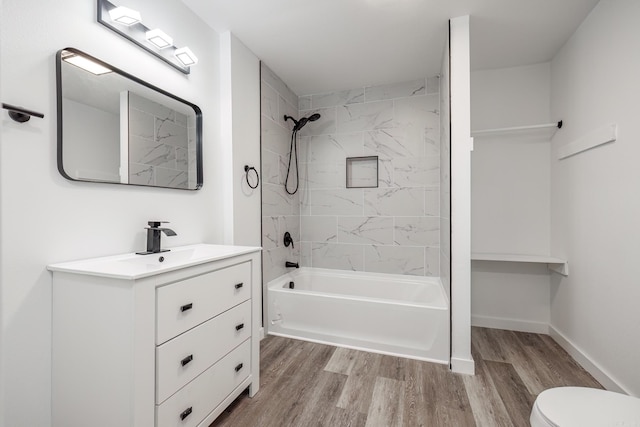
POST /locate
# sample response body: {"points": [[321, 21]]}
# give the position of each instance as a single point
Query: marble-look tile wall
{"points": [[159, 147], [394, 228], [280, 211]]}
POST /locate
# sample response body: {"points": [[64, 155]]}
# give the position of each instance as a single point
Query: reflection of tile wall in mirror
{"points": [[191, 151], [159, 142], [141, 174], [171, 178], [148, 152]]}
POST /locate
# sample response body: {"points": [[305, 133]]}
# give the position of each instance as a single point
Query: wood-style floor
{"points": [[306, 384]]}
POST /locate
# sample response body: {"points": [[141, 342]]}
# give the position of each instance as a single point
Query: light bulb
{"points": [[159, 38], [186, 57], [125, 16]]}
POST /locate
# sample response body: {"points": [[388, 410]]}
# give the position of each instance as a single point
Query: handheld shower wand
{"points": [[297, 125]]}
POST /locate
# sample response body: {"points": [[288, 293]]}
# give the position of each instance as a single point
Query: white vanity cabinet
{"points": [[169, 339]]}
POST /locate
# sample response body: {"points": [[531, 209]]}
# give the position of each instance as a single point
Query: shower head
{"points": [[303, 121], [299, 124]]}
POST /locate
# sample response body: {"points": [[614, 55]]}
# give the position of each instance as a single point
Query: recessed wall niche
{"points": [[362, 172]]}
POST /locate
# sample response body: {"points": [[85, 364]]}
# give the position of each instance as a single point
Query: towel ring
{"points": [[248, 169]]}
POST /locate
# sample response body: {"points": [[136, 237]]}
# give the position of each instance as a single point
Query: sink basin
{"points": [[179, 255], [134, 266]]}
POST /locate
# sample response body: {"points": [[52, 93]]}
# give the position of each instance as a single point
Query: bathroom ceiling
{"points": [[317, 46]]}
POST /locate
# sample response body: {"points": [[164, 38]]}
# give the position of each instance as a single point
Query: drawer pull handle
{"points": [[186, 307], [239, 367], [186, 360], [186, 413], [240, 326], [239, 285]]}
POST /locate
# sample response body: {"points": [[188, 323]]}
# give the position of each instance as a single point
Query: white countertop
{"points": [[132, 266]]}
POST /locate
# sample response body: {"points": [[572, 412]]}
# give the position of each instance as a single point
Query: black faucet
{"points": [[290, 264], [154, 232]]}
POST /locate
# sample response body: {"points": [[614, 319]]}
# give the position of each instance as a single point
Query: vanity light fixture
{"points": [[125, 16], [185, 56], [86, 64], [155, 41], [159, 38]]}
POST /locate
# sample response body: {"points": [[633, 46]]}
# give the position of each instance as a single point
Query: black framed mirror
{"points": [[115, 128]]}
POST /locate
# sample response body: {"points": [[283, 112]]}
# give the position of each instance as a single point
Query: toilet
{"points": [[584, 407]]}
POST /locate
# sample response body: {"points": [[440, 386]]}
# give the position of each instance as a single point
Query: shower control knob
{"points": [[288, 240]]}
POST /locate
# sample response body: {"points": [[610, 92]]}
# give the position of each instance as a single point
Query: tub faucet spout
{"points": [[290, 264]]}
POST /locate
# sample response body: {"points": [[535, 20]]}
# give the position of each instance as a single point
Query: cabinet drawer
{"points": [[183, 358], [185, 304], [196, 400]]}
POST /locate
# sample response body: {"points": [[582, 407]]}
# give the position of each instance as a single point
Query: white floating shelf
{"points": [[515, 258], [558, 265], [545, 129]]}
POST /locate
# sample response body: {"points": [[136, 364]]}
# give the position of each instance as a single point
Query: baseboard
{"points": [[261, 333], [510, 324], [463, 366], [585, 361]]}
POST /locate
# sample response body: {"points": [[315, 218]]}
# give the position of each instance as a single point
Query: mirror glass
{"points": [[116, 128]]}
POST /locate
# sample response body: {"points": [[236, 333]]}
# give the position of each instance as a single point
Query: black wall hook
{"points": [[20, 114]]}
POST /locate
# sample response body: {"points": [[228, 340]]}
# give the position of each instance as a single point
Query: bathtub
{"points": [[399, 315]]}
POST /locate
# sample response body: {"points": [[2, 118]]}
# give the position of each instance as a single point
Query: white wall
{"points": [[461, 359], [45, 218], [510, 174], [240, 86], [595, 205], [510, 197], [2, 138], [510, 295]]}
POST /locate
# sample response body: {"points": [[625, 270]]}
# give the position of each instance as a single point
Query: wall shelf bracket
{"points": [[560, 268]]}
